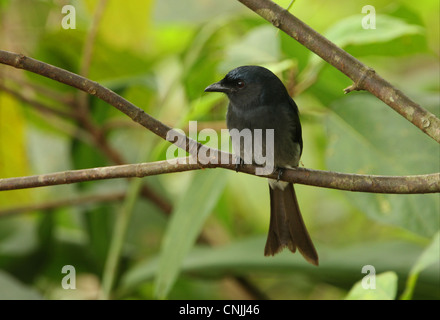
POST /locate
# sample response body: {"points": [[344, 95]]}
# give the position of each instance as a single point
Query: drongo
{"points": [[258, 100]]}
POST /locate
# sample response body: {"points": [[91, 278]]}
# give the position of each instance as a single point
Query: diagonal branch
{"points": [[364, 78]]}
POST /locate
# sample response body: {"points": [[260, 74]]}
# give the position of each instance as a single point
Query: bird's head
{"points": [[250, 85]]}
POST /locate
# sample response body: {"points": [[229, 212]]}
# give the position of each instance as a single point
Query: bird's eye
{"points": [[240, 84]]}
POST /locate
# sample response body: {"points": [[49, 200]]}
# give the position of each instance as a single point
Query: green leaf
{"points": [[392, 36], [12, 289], [201, 107], [340, 266], [367, 137], [430, 256], [185, 224], [385, 288]]}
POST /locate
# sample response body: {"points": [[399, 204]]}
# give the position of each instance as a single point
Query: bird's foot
{"points": [[280, 173], [238, 163]]}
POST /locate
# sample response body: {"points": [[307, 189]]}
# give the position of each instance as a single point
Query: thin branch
{"points": [[65, 98], [43, 108], [364, 78], [54, 117], [20, 61], [428, 183]]}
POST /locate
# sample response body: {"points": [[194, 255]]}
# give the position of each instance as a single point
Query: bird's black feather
{"points": [[259, 100]]}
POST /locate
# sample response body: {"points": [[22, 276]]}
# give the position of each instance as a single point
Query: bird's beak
{"points": [[217, 87]]}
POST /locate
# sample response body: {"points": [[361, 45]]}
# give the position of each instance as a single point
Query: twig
{"points": [[54, 117], [90, 40], [81, 200], [364, 78], [59, 98], [428, 183]]}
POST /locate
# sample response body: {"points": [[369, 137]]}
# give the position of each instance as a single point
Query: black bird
{"points": [[259, 100]]}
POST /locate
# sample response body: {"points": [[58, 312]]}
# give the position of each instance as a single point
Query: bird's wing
{"points": [[295, 130]]}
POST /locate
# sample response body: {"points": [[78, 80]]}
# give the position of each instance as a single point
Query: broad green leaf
{"points": [[12, 289], [430, 256], [351, 31], [385, 288], [392, 36], [367, 137], [170, 11], [185, 224], [201, 107]]}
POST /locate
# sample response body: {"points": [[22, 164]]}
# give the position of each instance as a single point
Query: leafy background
{"points": [[160, 55]]}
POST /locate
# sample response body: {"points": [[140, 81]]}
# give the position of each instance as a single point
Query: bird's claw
{"points": [[280, 173]]}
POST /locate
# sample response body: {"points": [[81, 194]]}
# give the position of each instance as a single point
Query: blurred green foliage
{"points": [[160, 55]]}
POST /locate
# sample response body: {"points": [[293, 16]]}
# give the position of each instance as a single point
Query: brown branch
{"points": [[364, 78], [362, 183], [428, 183]]}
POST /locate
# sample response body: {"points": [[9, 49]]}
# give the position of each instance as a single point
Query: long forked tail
{"points": [[287, 228]]}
